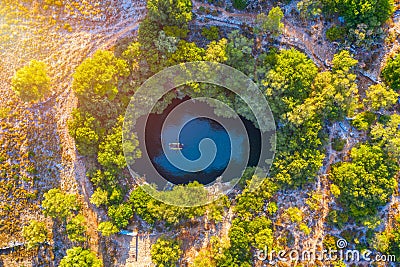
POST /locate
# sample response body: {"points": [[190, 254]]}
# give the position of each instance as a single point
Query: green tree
{"points": [[240, 4], [344, 99], [381, 242], [77, 256], [120, 214], [334, 94], [289, 82], [304, 228], [239, 250], [388, 135], [309, 8], [96, 82], [98, 75], [140, 201], [165, 252], [186, 52], [295, 214], [166, 44], [153, 59], [31, 82], [271, 23], [152, 210], [35, 233], [239, 52], [362, 121], [108, 228], [176, 31], [379, 96], [84, 128], [205, 258], [394, 243], [58, 204], [99, 197], [343, 61], [216, 51], [299, 157], [250, 228], [133, 55], [76, 228], [116, 195], [260, 231], [370, 12], [104, 179], [211, 33], [111, 155], [366, 182], [248, 204], [391, 73], [170, 12], [336, 33]]}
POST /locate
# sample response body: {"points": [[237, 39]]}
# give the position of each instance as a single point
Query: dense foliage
{"points": [[31, 82], [271, 23], [57, 204], [35, 233], [251, 228], [76, 228], [165, 252], [78, 256], [370, 12], [304, 100], [171, 13], [97, 83], [379, 96], [391, 73], [366, 182]]}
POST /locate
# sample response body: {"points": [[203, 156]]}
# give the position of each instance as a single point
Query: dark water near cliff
{"points": [[186, 128]]}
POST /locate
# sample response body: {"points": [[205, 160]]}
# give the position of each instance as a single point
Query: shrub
{"points": [[31, 82], [240, 4], [336, 33], [211, 33], [338, 143]]}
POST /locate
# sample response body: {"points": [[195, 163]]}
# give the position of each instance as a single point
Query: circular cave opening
{"points": [[159, 132]]}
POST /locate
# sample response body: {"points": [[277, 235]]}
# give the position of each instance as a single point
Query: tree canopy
{"points": [[96, 82], [366, 182], [387, 135], [165, 252], [120, 214], [35, 233], [85, 129], [379, 96], [77, 256], [76, 228], [391, 73], [170, 12], [31, 82], [110, 153], [370, 12], [289, 82], [108, 228], [58, 204], [271, 23]]}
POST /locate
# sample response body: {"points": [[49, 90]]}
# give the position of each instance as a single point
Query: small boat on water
{"points": [[175, 146]]}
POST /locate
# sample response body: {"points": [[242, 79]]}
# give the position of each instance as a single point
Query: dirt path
{"points": [[317, 49]]}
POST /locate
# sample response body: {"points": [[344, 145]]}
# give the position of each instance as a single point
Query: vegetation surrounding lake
{"points": [[328, 69]]}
